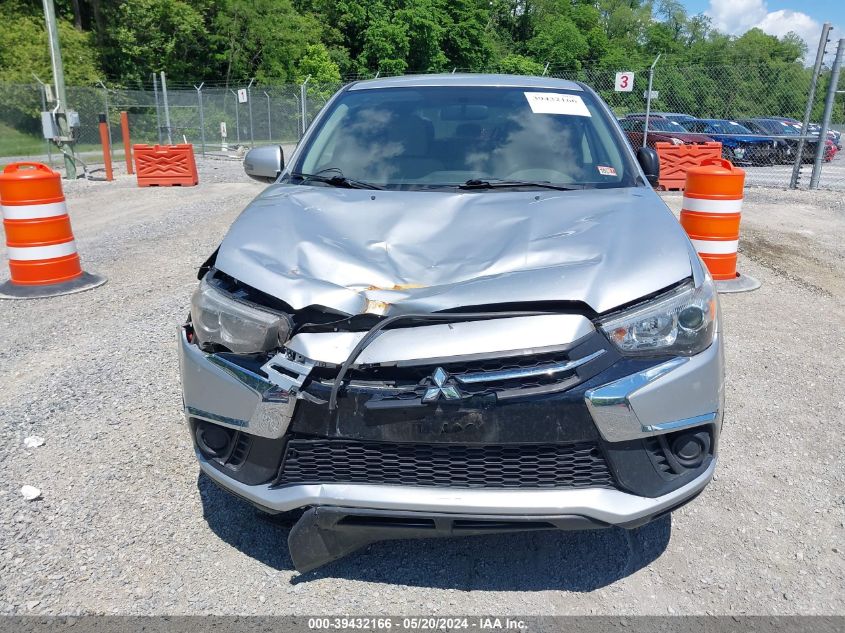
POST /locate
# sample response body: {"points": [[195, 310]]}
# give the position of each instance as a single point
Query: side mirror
{"points": [[650, 162], [264, 163]]}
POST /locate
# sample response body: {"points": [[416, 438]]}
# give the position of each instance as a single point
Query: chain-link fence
{"points": [[213, 119], [753, 110]]}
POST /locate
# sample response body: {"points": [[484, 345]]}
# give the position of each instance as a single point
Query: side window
{"points": [[638, 126]]}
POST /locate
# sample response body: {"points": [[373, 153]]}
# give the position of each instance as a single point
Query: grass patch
{"points": [[15, 143]]}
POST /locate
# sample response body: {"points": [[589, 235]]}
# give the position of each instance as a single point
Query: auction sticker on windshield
{"points": [[556, 103]]}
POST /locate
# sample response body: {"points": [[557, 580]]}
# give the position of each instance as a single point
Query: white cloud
{"points": [[738, 16]]}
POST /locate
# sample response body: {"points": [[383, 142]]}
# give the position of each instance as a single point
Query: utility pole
{"points": [[269, 130], [61, 94], [648, 98], [303, 102], [828, 110], [249, 104], [43, 92], [158, 112], [202, 116], [808, 111], [166, 107]]}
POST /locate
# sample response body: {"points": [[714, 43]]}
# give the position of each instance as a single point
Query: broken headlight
{"points": [[220, 319], [682, 322]]}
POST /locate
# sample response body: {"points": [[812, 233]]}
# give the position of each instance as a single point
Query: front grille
{"points": [[411, 382], [578, 465]]}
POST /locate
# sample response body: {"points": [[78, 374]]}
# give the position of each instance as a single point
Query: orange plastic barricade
{"points": [[711, 214], [165, 165], [675, 160], [42, 251]]}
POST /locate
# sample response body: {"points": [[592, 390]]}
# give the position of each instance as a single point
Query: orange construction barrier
{"points": [[104, 141], [675, 160], [127, 148], [42, 252], [711, 214], [165, 165]]}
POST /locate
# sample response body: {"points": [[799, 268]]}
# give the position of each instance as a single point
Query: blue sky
{"points": [[777, 17]]}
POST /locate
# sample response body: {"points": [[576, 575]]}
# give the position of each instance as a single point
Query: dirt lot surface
{"points": [[125, 525]]}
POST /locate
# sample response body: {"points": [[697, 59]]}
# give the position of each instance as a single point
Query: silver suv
{"points": [[460, 308]]}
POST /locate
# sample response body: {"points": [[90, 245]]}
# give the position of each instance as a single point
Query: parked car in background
{"points": [[813, 129], [786, 136], [660, 130], [829, 150], [739, 144], [677, 117]]}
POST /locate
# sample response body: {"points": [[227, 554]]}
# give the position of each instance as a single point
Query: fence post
{"points": [[648, 98], [808, 111], [127, 146], [202, 117], [106, 143], [828, 109], [249, 107], [269, 131], [158, 114], [237, 118], [166, 108], [108, 117], [303, 98], [43, 91]]}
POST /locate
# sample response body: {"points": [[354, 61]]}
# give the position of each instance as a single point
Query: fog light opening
{"points": [[689, 448], [213, 440]]}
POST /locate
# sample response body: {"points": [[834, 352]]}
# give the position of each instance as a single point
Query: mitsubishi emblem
{"points": [[440, 388]]}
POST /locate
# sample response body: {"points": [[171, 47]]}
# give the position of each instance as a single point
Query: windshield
{"points": [[783, 128], [435, 137], [729, 127], [665, 125]]}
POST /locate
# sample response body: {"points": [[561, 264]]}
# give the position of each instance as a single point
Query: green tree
{"points": [[558, 37], [519, 65], [467, 41], [317, 63], [260, 38], [424, 22], [24, 50], [155, 35], [386, 47]]}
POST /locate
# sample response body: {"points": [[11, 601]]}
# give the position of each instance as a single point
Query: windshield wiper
{"points": [[337, 180], [492, 183]]}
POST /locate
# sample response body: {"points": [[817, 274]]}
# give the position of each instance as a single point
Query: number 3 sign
{"points": [[624, 82]]}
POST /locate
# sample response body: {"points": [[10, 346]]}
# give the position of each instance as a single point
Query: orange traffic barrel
{"points": [[711, 214], [42, 251]]}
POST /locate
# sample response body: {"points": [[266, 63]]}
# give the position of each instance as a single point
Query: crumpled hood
{"points": [[349, 249]]}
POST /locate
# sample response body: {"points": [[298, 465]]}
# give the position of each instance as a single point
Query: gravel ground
{"points": [[126, 526]]}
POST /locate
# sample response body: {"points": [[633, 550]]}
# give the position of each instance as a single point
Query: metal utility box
{"points": [[49, 126], [53, 124]]}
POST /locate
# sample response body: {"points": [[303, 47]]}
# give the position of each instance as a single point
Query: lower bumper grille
{"points": [[445, 465]]}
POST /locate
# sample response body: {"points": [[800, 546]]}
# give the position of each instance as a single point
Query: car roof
{"points": [[664, 115], [466, 79]]}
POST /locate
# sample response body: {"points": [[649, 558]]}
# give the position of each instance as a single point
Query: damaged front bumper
{"points": [[472, 438], [602, 507]]}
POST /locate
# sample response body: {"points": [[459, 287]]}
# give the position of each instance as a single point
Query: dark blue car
{"points": [[739, 144]]}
